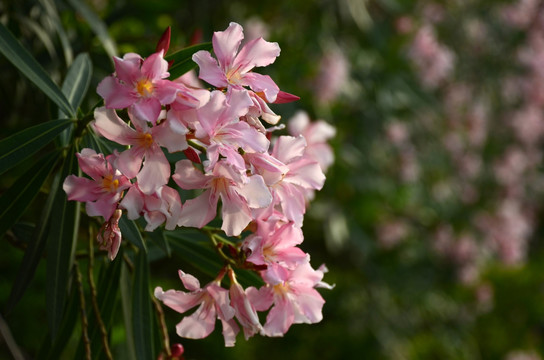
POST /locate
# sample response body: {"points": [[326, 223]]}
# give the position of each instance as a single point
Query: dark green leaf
{"points": [[61, 247], [183, 59], [23, 144], [97, 25], [130, 231], [158, 238], [125, 285], [187, 53], [16, 200], [196, 250], [142, 315], [53, 348], [18, 56], [75, 87], [34, 250]]}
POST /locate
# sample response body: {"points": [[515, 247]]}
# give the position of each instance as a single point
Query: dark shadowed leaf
{"points": [[22, 60], [19, 197], [130, 231], [61, 247], [142, 316], [23, 144], [183, 59], [34, 250]]}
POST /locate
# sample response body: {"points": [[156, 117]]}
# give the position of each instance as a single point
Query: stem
{"points": [[84, 323], [163, 328], [103, 332], [196, 146]]}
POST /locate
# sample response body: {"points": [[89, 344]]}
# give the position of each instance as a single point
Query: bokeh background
{"points": [[429, 221]]}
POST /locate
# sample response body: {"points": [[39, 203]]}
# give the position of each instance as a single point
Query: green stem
{"points": [[84, 323]]}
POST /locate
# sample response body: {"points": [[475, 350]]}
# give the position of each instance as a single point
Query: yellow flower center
{"points": [[233, 76], [109, 184], [146, 140], [144, 87], [281, 288]]}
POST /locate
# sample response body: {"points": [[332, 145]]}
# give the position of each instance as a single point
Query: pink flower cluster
{"points": [[230, 160]]}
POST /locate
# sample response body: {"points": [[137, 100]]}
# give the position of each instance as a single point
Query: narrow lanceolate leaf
{"points": [[75, 87], [142, 316], [23, 144], [125, 286], [21, 58], [34, 250], [198, 253], [16, 200], [97, 25], [130, 231], [107, 288], [61, 247], [183, 61]]}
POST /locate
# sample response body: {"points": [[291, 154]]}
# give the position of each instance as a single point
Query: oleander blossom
{"points": [[224, 167]]}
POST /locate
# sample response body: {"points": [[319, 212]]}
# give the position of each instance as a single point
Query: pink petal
{"points": [[262, 298], [222, 302], [104, 206], [310, 303], [199, 211], [306, 173], [178, 300], [133, 202], [262, 84], [230, 330], [292, 201], [284, 98], [147, 109], [154, 219], [92, 164], [256, 192], [190, 282], [155, 170], [172, 203], [226, 44], [170, 137], [188, 177], [209, 70], [280, 318], [235, 213], [115, 94], [128, 68], [155, 67], [129, 161], [109, 125], [289, 148], [80, 189], [257, 52], [200, 324]]}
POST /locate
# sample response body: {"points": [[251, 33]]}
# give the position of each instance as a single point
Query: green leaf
{"points": [[196, 250], [19, 197], [142, 315], [75, 87], [183, 59], [77, 79], [125, 285], [23, 144], [34, 250], [130, 231], [61, 247], [107, 290], [158, 238], [22, 60], [97, 25]]}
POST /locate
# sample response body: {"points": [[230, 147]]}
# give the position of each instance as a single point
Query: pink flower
{"points": [[233, 68], [274, 243], [144, 143], [163, 205], [139, 84], [303, 174], [238, 193], [245, 311], [316, 134], [109, 235], [103, 192], [214, 304], [293, 296]]}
